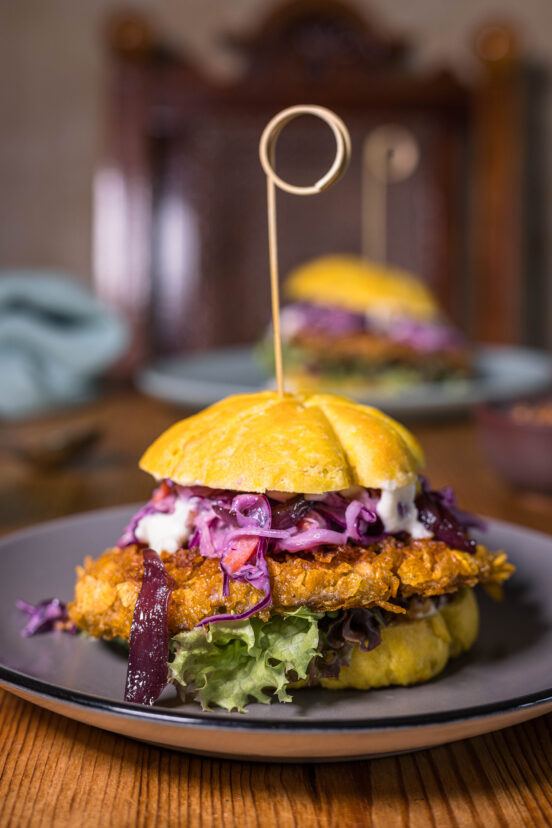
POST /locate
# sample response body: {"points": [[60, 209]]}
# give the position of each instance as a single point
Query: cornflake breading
{"points": [[106, 589]]}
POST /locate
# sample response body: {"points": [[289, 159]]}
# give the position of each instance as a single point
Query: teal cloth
{"points": [[56, 339]]}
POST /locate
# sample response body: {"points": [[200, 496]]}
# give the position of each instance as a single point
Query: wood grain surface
{"points": [[54, 772]]}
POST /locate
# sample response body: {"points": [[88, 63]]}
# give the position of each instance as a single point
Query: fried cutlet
{"points": [[345, 577], [376, 350]]}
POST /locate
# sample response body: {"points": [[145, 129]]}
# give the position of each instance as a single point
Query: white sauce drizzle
{"points": [[398, 512], [291, 322], [167, 532]]}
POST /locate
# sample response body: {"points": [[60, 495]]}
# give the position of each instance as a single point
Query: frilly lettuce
{"points": [[228, 663]]}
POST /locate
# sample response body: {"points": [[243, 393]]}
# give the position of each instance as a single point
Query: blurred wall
{"points": [[52, 65]]}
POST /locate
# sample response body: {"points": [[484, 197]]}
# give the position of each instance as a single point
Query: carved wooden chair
{"points": [[180, 221]]}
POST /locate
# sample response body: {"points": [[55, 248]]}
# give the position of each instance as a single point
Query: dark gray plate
{"points": [[505, 679], [501, 373]]}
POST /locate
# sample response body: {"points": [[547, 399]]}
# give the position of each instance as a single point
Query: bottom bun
{"points": [[413, 651]]}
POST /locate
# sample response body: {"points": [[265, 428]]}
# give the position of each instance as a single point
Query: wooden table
{"points": [[55, 772]]}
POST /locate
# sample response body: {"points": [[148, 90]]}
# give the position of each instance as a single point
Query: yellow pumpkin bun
{"points": [[299, 443], [413, 651], [354, 284]]}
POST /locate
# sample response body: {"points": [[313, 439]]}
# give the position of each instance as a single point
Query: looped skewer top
{"points": [[270, 135], [267, 148]]}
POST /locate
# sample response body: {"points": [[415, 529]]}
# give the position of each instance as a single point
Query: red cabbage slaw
{"points": [[438, 512], [424, 336], [241, 529], [46, 616]]}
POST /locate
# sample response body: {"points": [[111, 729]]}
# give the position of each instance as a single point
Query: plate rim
{"points": [[239, 721], [152, 381], [11, 678]]}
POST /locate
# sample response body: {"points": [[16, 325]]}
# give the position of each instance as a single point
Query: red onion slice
{"points": [[148, 656]]}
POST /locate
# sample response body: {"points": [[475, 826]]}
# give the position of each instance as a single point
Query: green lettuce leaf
{"points": [[228, 663]]}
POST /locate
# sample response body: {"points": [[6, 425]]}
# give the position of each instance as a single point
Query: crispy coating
{"points": [[376, 349], [106, 589]]}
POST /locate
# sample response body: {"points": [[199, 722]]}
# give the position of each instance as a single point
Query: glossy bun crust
{"points": [[301, 443], [414, 651], [356, 285]]}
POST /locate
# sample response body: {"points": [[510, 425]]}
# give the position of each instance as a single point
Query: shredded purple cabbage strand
{"points": [[46, 616], [438, 512], [427, 336]]}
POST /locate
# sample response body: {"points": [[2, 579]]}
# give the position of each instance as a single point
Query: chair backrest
{"points": [[180, 217]]}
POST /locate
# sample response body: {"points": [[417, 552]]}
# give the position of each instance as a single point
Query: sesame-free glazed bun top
{"points": [[354, 284], [299, 443]]}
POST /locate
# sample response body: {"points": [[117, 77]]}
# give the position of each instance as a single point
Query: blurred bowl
{"points": [[519, 450]]}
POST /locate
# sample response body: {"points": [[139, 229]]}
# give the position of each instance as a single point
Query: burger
{"points": [[290, 541], [353, 325]]}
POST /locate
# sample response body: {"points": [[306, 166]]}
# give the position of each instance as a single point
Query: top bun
{"points": [[351, 283], [299, 443]]}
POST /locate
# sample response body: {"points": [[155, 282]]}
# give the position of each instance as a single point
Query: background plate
{"points": [[506, 678], [502, 373]]}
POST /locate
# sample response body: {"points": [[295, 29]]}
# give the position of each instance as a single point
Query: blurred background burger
{"points": [[357, 326]]}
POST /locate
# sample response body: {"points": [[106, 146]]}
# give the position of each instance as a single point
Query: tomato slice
{"points": [[240, 552], [162, 491]]}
